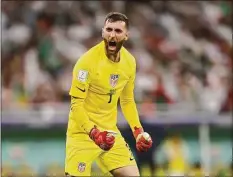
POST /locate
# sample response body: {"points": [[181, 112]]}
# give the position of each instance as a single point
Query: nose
{"points": [[112, 34]]}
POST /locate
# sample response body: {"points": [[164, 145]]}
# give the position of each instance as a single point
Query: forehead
{"points": [[117, 24]]}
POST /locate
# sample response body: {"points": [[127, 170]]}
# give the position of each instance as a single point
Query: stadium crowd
{"points": [[183, 50]]}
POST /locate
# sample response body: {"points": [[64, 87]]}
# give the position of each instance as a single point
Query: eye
{"points": [[108, 29], [118, 30]]}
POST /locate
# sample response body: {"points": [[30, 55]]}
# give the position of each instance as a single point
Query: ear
{"points": [[102, 32], [127, 36]]}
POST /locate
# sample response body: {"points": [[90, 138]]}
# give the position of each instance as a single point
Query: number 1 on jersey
{"points": [[110, 98], [112, 92]]}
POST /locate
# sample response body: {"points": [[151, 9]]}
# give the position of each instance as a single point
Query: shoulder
{"points": [[90, 56], [129, 57]]}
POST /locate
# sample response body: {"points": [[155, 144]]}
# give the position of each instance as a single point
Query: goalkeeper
{"points": [[101, 77]]}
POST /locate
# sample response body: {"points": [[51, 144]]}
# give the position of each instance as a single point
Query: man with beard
{"points": [[101, 76]]}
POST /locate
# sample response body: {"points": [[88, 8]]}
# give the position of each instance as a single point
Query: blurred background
{"points": [[183, 86]]}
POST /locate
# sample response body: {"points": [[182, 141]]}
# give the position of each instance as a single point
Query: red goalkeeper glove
{"points": [[105, 140], [143, 140]]}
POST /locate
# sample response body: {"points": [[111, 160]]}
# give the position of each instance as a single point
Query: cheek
{"points": [[105, 35], [120, 37]]}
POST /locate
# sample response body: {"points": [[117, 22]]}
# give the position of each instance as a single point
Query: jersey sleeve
{"points": [[78, 91], [128, 104], [81, 79]]}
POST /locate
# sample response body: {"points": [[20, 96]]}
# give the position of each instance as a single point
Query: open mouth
{"points": [[112, 45]]}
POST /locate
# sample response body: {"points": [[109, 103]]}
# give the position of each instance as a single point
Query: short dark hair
{"points": [[117, 16]]}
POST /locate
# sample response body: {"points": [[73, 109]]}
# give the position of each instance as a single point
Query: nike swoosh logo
{"points": [[83, 90]]}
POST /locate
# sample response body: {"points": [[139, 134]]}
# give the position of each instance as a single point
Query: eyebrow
{"points": [[116, 29]]}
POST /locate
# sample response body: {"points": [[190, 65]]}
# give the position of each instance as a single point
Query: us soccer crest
{"points": [[114, 79], [81, 167]]}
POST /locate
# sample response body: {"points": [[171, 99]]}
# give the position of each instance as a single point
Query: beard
{"points": [[112, 50]]}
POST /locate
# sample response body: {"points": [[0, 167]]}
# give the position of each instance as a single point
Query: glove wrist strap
{"points": [[137, 131], [94, 131]]}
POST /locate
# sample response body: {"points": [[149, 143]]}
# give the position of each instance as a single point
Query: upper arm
{"points": [[80, 79], [128, 91]]}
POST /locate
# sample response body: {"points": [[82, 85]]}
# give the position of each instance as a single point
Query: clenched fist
{"points": [[143, 140], [105, 140]]}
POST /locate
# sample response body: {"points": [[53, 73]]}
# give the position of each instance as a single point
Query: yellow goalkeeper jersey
{"points": [[97, 85]]}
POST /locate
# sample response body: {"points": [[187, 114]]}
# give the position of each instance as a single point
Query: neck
{"points": [[115, 58]]}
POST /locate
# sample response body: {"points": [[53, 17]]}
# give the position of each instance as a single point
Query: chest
{"points": [[108, 77]]}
